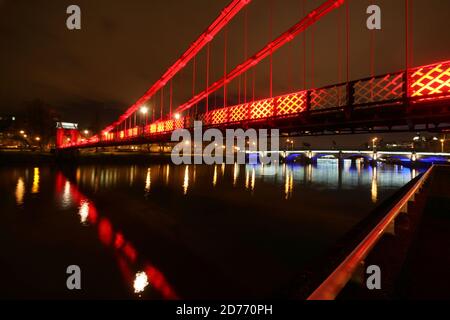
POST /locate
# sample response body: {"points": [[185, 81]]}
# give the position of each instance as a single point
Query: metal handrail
{"points": [[331, 287]]}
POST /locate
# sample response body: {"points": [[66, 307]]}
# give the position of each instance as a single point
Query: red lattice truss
{"points": [[426, 83], [387, 88], [261, 109], [430, 80], [239, 113], [328, 98], [291, 104]]}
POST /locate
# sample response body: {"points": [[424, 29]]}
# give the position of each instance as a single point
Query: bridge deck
{"points": [[414, 98]]}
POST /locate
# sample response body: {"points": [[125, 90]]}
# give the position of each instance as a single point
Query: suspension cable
{"points": [[208, 53], [171, 98], [347, 21], [225, 71], [245, 50], [271, 50]]}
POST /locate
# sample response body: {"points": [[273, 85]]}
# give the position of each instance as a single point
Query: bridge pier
{"points": [[63, 155]]}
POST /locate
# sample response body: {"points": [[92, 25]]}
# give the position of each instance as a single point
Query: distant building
{"points": [[418, 143], [402, 145]]}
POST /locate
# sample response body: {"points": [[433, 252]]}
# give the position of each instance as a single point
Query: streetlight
{"points": [[22, 132], [177, 116], [442, 145], [374, 143], [38, 139], [291, 142], [144, 112]]}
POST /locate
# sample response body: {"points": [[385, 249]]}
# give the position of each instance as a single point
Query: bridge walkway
{"points": [[426, 272], [410, 245]]}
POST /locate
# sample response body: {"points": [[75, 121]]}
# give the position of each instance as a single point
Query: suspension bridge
{"points": [[222, 93]]}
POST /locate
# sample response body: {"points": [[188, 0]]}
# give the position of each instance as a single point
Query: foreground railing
{"points": [[339, 278]]}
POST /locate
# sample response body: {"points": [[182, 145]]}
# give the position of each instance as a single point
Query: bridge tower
{"points": [[66, 133]]}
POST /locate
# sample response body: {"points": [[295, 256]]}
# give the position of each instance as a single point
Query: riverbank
{"points": [[25, 157]]}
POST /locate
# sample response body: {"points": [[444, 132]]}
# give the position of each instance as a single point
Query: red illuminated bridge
{"points": [[416, 98]]}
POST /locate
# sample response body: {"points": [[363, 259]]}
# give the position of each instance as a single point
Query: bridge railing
{"points": [[338, 279], [429, 82]]}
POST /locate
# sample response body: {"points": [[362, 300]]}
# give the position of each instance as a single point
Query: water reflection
{"points": [[83, 212], [167, 174], [308, 173], [66, 196], [20, 192], [374, 189], [235, 174], [128, 258], [289, 184], [186, 181], [215, 176], [148, 180], [253, 180], [304, 208], [329, 174], [140, 282], [36, 179]]}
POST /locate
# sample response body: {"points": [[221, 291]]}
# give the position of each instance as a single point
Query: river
{"points": [[165, 232]]}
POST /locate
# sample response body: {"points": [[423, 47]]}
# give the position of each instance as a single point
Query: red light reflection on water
{"points": [[127, 255]]}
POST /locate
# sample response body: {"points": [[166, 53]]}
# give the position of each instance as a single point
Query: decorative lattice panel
{"points": [[179, 124], [328, 98], [208, 118], [153, 128], [169, 125], [262, 109], [189, 121], [387, 88], [430, 80], [291, 104], [219, 116], [239, 113], [160, 127]]}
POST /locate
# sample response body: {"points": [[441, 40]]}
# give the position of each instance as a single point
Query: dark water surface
{"points": [[162, 231]]}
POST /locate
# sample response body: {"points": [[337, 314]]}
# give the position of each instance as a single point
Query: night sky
{"points": [[125, 45]]}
